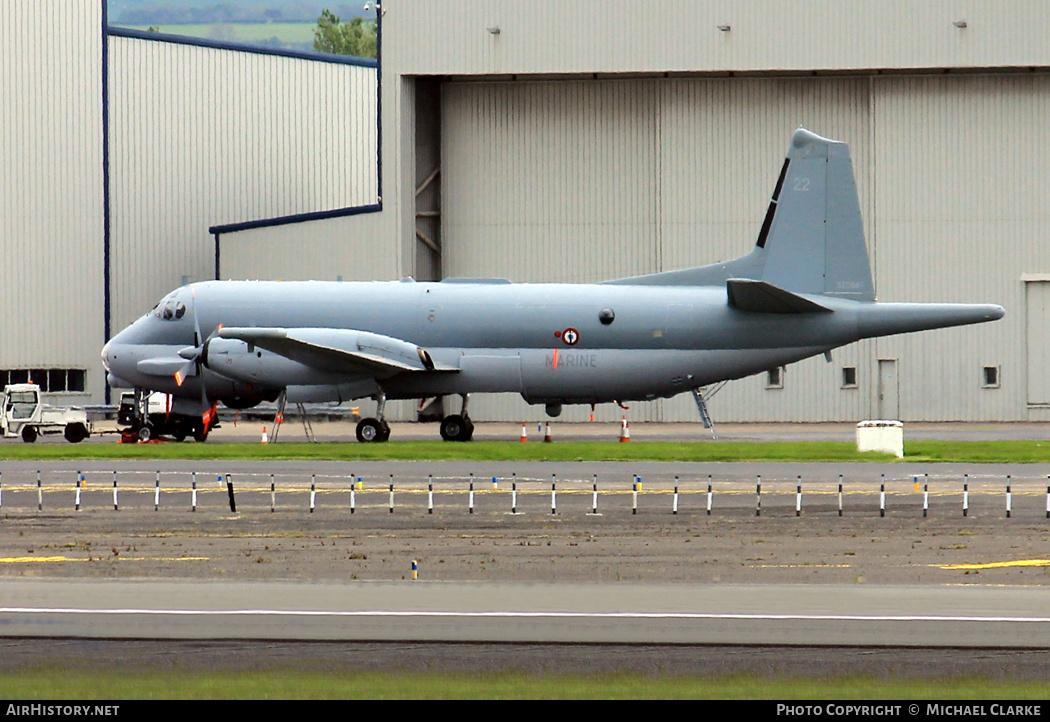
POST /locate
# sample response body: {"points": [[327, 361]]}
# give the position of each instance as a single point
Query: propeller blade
{"points": [[197, 356], [196, 319], [188, 369], [193, 354]]}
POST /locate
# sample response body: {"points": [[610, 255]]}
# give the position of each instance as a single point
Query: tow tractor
{"points": [[25, 415], [150, 415]]}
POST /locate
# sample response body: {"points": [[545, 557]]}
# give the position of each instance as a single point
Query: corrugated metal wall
{"points": [[351, 248], [580, 181], [962, 213], [591, 180], [626, 36], [51, 200], [201, 136], [537, 172]]}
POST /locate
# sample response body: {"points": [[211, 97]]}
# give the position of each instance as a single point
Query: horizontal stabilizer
{"points": [[763, 297]]}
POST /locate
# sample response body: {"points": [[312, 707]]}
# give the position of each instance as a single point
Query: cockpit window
{"points": [[170, 310]]}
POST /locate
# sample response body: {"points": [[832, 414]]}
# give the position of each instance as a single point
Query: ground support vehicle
{"points": [[149, 415], [25, 415]]}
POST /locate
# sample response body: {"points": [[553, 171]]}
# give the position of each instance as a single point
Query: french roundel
{"points": [[570, 336]]}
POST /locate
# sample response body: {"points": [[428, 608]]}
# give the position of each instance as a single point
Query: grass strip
{"points": [[441, 450], [1024, 452], [285, 684]]}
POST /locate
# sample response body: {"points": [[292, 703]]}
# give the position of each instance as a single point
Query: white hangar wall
{"points": [[961, 215], [591, 180], [595, 180], [632, 150], [538, 37], [357, 247], [51, 198], [572, 151], [197, 137], [203, 136]]}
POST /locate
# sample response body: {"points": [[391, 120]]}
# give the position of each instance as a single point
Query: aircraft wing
{"points": [[341, 350]]}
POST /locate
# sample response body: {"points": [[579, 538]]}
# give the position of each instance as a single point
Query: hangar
{"points": [[546, 141]]}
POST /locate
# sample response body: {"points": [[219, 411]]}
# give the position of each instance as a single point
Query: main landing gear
{"points": [[458, 427], [374, 430], [455, 427]]}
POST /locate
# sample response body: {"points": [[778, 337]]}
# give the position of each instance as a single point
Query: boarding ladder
{"points": [[278, 419], [701, 396]]}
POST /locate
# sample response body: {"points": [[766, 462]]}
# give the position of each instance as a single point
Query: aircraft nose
{"points": [[105, 355]]}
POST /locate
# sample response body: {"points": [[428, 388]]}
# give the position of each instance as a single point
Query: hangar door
{"points": [[1037, 320], [583, 181]]}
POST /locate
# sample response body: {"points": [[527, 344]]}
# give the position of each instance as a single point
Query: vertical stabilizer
{"points": [[812, 233]]}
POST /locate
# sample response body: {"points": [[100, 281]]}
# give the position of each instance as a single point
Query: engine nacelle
{"points": [[244, 402], [247, 364]]}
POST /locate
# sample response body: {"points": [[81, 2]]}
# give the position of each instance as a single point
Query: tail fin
{"points": [[811, 241], [812, 234]]}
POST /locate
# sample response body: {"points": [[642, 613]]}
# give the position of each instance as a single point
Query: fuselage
{"points": [[551, 343]]}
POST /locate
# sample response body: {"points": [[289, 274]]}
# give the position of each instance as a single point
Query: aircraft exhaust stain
{"points": [[998, 565]]}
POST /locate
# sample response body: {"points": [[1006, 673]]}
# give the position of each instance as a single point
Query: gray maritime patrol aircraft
{"points": [[805, 289]]}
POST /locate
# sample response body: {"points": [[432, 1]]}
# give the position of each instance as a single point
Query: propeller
{"points": [[195, 356]]}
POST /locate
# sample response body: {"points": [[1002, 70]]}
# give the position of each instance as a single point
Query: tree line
{"points": [[209, 12]]}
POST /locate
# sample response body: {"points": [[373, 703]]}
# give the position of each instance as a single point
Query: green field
{"points": [[802, 451], [59, 684]]}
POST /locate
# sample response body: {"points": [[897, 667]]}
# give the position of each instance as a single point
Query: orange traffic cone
{"points": [[547, 435], [625, 430], [524, 433], [265, 438]]}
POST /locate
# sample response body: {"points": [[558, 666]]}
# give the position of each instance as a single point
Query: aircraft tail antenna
{"points": [[812, 235]]}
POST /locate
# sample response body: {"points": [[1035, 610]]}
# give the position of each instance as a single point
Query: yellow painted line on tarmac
{"points": [[998, 565]]}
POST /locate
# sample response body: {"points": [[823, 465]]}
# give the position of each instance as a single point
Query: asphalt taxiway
{"points": [[903, 570]]}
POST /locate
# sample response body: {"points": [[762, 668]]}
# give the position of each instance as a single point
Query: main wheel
{"points": [[75, 432], [29, 434], [372, 431], [456, 428], [200, 434]]}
